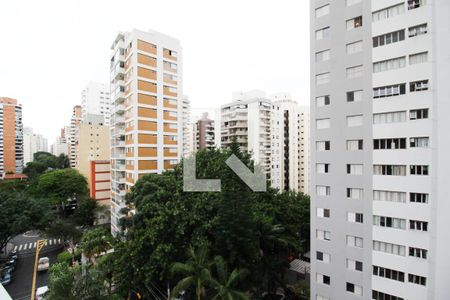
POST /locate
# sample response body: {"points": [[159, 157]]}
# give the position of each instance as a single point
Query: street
{"points": [[20, 287]]}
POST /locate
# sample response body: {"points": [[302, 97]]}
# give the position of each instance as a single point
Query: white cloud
{"points": [[51, 49]]}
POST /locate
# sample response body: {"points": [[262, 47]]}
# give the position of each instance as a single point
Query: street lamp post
{"points": [[39, 246]]}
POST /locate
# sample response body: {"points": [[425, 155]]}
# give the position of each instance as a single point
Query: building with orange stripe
{"points": [[11, 136]]}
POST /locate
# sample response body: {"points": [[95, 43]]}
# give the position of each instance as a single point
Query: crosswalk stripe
{"points": [[45, 242], [59, 241], [15, 248], [29, 246], [25, 247], [50, 242], [34, 245], [20, 247]]}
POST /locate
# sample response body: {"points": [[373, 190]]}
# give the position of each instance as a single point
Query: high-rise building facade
{"points": [[95, 101], [32, 143], [295, 141], [256, 125], [147, 110], [187, 146], [11, 136], [204, 133], [75, 121], [379, 111]]}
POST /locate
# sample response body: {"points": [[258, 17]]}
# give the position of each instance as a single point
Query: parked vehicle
{"points": [[41, 292], [6, 278], [43, 264]]}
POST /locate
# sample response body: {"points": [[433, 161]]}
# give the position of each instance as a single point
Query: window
{"points": [[418, 170], [355, 217], [324, 279], [418, 86], [416, 114], [354, 169], [419, 142], [390, 64], [390, 196], [323, 212], [354, 72], [323, 55], [388, 12], [323, 190], [418, 252], [389, 248], [323, 145], [355, 193], [413, 4], [354, 265], [389, 222], [322, 11], [323, 257], [418, 58], [322, 168], [353, 121], [391, 170], [417, 30], [395, 143], [354, 241], [354, 288], [352, 2], [354, 96], [383, 296], [322, 123], [418, 197], [389, 117], [389, 91], [389, 273], [323, 101], [354, 47], [323, 235], [418, 225], [389, 38], [354, 23], [322, 78], [322, 33], [353, 145], [417, 279]]}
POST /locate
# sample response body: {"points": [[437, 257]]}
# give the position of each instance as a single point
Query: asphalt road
{"points": [[20, 287]]}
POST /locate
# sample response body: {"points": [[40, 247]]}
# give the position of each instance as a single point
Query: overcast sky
{"points": [[49, 50]]}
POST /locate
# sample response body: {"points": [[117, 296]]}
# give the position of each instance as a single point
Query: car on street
{"points": [[41, 292], [43, 264], [6, 278]]}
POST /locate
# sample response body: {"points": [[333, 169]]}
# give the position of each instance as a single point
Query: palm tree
{"points": [[195, 270], [225, 284]]}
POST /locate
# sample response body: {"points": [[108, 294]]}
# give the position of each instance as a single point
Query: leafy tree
{"points": [[18, 214], [61, 281], [225, 284], [61, 187], [86, 212], [95, 242], [43, 161], [196, 272], [65, 230]]}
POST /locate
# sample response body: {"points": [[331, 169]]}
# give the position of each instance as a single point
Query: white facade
{"points": [[95, 100], [147, 110], [256, 124], [187, 127], [295, 158], [32, 143], [60, 147], [380, 106]]}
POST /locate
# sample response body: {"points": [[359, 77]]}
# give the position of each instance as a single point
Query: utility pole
{"points": [[39, 246]]}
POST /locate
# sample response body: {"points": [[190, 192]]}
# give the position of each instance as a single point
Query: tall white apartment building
{"points": [[32, 143], [147, 110], [295, 141], [95, 100], [256, 124], [380, 149], [187, 127], [71, 136]]}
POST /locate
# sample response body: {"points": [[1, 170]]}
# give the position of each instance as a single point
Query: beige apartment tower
{"points": [[146, 114]]}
